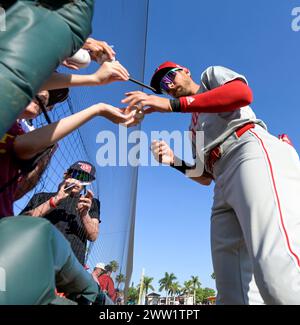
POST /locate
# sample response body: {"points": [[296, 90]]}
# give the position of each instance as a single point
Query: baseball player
{"points": [[255, 221]]}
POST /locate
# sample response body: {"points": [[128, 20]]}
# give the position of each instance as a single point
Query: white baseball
{"points": [[81, 59], [138, 113]]}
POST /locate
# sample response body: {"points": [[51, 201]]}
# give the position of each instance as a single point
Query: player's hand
{"points": [[84, 203], [110, 72], [137, 115], [162, 152], [114, 114], [99, 48], [150, 103]]}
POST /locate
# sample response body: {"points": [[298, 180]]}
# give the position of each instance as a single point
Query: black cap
{"points": [[84, 166], [57, 96]]}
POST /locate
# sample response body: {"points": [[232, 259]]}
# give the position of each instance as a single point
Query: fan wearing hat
{"points": [[17, 148], [99, 269], [107, 283], [18, 176], [75, 214], [43, 102]]}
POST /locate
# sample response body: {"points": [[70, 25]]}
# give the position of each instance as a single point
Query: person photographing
{"points": [[72, 209]]}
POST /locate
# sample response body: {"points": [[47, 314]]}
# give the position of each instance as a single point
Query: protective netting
{"points": [[115, 186], [69, 150]]}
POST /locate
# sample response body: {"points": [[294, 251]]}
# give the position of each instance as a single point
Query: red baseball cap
{"points": [[161, 71]]}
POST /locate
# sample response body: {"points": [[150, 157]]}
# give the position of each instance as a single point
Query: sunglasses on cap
{"points": [[80, 175], [167, 80]]}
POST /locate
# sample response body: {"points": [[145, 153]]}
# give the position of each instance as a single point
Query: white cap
{"points": [[100, 266]]}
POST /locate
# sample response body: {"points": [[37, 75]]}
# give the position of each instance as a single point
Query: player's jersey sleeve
{"points": [[218, 126], [217, 76]]}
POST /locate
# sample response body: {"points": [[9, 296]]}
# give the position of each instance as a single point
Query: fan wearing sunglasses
{"points": [[17, 146], [20, 174], [72, 209]]}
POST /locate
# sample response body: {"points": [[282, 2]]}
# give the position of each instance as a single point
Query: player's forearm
{"points": [[91, 227], [227, 98], [28, 145], [60, 80]]}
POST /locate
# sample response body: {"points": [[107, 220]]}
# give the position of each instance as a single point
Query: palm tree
{"points": [[114, 265], [120, 278], [187, 287], [175, 289], [132, 295], [166, 282], [195, 284], [146, 286]]}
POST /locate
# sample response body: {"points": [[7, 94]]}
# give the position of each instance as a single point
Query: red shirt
{"points": [[107, 285], [10, 167]]}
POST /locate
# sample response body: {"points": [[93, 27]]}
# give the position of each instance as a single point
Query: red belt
{"points": [[215, 153]]}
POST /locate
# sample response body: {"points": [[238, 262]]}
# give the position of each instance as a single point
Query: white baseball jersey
{"points": [[218, 126]]}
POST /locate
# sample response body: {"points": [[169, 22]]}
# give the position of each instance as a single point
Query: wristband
{"points": [[52, 203], [181, 165], [175, 104]]}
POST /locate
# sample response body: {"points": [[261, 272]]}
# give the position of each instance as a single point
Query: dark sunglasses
{"points": [[80, 175], [168, 79]]}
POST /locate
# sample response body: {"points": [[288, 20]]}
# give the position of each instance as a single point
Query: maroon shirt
{"points": [[9, 168], [107, 285]]}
